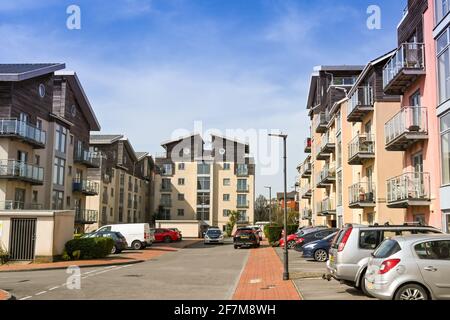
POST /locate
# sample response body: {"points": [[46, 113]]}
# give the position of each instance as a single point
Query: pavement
{"points": [[4, 295], [262, 278], [307, 277], [197, 272]]}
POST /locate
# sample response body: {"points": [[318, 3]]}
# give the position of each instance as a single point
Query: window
{"points": [[180, 212], [242, 185], [226, 197], [386, 249], [203, 168], [181, 166], [58, 171], [339, 189], [369, 239], [68, 202], [445, 148], [110, 212], [433, 250], [203, 199], [339, 151], [167, 169], [35, 196], [226, 182], [166, 185], [60, 138], [226, 166], [443, 64], [69, 170], [71, 139], [57, 200], [180, 197], [442, 8], [181, 181], [226, 213], [203, 183], [112, 192], [242, 200], [37, 160], [41, 90]]}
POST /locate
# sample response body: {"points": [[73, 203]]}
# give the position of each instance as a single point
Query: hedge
{"points": [[273, 232], [89, 248]]}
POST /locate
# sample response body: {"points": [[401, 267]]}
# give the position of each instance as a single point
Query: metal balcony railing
{"points": [[88, 158], [86, 216], [320, 122], [13, 169], [308, 145], [306, 214], [21, 129], [406, 127], [243, 204], [305, 191], [85, 186], [326, 176], [362, 194], [306, 170], [326, 207], [409, 189], [360, 103], [243, 189], [167, 203], [18, 205], [360, 148]]}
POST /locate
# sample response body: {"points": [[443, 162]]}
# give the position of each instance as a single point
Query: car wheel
{"points": [[167, 239], [362, 284], [320, 255], [236, 247], [291, 244], [114, 250], [411, 292], [137, 245]]}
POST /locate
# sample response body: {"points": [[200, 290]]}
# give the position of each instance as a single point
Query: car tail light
{"points": [[145, 235], [388, 265], [344, 239]]}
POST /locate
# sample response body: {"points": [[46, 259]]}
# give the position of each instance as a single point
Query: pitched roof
{"points": [[140, 155], [104, 138], [24, 71], [179, 139], [289, 195]]}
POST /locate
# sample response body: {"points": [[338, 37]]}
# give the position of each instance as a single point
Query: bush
{"points": [[89, 248], [4, 256], [292, 228], [273, 232], [77, 235]]}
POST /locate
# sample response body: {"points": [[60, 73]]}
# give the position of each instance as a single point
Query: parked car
{"points": [[292, 238], [353, 245], [414, 267], [180, 236], [138, 235], [246, 237], [213, 235], [318, 249], [313, 236], [165, 235], [258, 231], [120, 243]]}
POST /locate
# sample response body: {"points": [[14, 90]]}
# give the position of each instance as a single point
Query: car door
{"points": [[433, 259], [158, 235]]}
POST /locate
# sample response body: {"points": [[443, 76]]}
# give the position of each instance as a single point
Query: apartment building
{"points": [[125, 179], [413, 131], [199, 184], [437, 35], [291, 200], [329, 85], [45, 122]]}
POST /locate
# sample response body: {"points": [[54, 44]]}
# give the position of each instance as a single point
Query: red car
{"points": [[291, 240], [166, 235]]}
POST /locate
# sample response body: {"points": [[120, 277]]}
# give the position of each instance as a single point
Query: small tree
{"points": [[232, 219]]}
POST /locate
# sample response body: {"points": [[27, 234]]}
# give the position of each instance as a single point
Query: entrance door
{"points": [[22, 239]]}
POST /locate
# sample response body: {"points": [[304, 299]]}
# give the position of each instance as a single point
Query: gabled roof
{"points": [[179, 139], [229, 139], [24, 71], [140, 155], [82, 99], [104, 138]]}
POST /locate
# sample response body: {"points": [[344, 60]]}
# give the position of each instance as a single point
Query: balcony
{"points": [[306, 191], [361, 148], [306, 170], [306, 214], [362, 195], [407, 127], [202, 216], [308, 145], [105, 198], [243, 204], [89, 159], [85, 216], [20, 130], [242, 171], [327, 144], [166, 203], [10, 205], [326, 207], [326, 177], [404, 67], [360, 104], [86, 187], [243, 189], [321, 123], [18, 170], [165, 188], [408, 190]]}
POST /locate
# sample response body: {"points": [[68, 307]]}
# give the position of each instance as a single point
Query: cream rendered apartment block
{"points": [[305, 191], [197, 186], [368, 109], [125, 180]]}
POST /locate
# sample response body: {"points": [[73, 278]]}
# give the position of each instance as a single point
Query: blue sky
{"points": [[150, 67]]}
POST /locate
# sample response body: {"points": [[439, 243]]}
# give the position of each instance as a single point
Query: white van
{"points": [[138, 235]]}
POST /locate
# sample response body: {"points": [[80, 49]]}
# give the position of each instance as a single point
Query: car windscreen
{"points": [[214, 232], [386, 249]]}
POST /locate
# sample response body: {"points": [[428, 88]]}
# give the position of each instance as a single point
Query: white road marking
{"points": [[54, 288], [39, 293], [26, 298]]}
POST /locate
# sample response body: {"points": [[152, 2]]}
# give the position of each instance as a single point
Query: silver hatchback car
{"points": [[414, 267]]}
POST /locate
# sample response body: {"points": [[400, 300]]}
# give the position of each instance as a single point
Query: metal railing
{"points": [[245, 188], [202, 216], [19, 205], [22, 129], [19, 169], [363, 96], [305, 167], [408, 120], [86, 216], [305, 189], [165, 203], [409, 186], [320, 119], [408, 56], [243, 204], [325, 206], [88, 157], [326, 173], [362, 192], [86, 186], [361, 144], [306, 213]]}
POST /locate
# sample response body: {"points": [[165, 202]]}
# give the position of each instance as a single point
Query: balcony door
{"points": [[19, 199], [419, 184], [22, 158], [416, 121]]}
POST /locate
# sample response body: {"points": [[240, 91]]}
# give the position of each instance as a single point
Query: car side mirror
{"points": [[372, 254]]}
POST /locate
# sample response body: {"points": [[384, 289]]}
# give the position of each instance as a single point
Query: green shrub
{"points": [[89, 248], [273, 232], [292, 228], [4, 256], [77, 235]]}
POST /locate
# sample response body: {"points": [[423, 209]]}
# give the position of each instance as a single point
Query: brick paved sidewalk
{"points": [[4, 295], [262, 278], [126, 257]]}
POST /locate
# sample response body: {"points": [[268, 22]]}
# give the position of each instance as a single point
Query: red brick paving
{"points": [[265, 270], [3, 295]]}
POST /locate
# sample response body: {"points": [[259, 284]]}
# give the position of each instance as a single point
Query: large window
{"points": [[443, 58], [57, 200], [442, 8], [58, 171], [203, 168], [445, 148], [203, 183], [60, 139]]}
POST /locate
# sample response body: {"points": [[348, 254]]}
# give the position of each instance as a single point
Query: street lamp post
{"points": [[285, 252], [270, 203]]}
